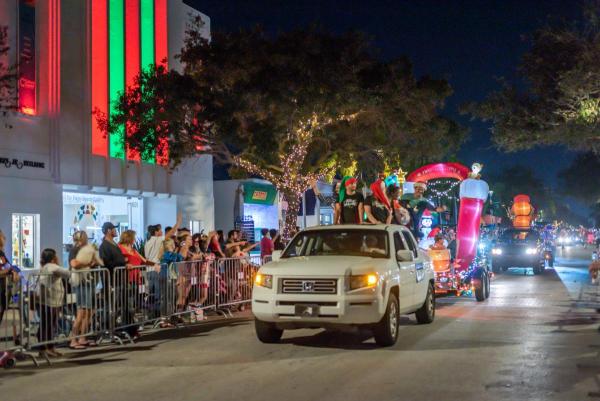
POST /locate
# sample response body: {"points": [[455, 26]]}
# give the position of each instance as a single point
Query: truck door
{"points": [[407, 276], [420, 284]]}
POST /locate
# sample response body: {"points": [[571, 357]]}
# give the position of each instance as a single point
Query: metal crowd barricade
{"points": [[60, 309], [235, 278], [138, 298], [197, 287], [85, 305], [11, 320], [188, 290]]}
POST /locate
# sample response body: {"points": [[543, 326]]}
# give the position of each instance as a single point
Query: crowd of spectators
{"points": [[137, 264]]}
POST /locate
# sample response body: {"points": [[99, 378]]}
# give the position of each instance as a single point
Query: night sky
{"points": [[469, 43]]}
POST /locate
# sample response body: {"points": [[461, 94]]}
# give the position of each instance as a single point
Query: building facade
{"points": [[58, 172]]}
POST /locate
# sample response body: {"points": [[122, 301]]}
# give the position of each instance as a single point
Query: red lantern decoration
{"points": [[521, 208], [522, 198], [522, 222]]}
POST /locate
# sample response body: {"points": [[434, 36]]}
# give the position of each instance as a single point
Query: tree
{"points": [[8, 90], [519, 179], [289, 108], [581, 180], [559, 102]]}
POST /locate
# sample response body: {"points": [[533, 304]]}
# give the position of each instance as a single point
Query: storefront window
{"points": [[87, 211], [25, 239]]}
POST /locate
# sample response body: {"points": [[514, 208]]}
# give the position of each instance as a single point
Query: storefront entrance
{"points": [[25, 239]]}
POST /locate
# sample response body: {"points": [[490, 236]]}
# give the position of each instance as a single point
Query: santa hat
{"points": [[350, 181], [434, 232], [343, 185], [377, 188], [420, 185]]}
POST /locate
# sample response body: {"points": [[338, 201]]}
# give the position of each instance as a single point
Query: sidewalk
{"points": [[148, 340]]}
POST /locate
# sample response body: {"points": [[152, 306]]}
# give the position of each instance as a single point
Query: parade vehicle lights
{"points": [[264, 280], [497, 251], [362, 281], [531, 251]]}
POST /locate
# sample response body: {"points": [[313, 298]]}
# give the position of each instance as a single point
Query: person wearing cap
{"points": [[109, 250], [350, 206], [112, 256]]}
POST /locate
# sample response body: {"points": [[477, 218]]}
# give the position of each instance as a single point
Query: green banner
{"points": [[259, 193]]}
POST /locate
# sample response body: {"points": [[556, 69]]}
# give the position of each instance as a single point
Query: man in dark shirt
{"points": [[351, 203], [111, 255], [109, 250]]}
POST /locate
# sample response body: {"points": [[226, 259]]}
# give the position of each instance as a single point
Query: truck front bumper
{"points": [[360, 308]]}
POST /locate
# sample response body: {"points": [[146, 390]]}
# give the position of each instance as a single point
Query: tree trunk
{"points": [[291, 215]]}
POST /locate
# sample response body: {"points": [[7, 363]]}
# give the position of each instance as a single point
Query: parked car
{"points": [[345, 275]]}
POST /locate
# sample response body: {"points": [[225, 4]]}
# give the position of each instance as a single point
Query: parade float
{"points": [[468, 273]]}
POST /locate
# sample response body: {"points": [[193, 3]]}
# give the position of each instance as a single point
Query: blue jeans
{"points": [[155, 294]]}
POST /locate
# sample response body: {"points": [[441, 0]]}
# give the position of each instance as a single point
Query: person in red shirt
{"points": [[132, 257], [266, 244]]}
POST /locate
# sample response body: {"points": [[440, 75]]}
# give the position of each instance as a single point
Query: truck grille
{"points": [[308, 286]]}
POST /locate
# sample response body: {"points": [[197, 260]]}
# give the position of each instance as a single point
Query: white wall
{"points": [[161, 211], [32, 196], [224, 193]]}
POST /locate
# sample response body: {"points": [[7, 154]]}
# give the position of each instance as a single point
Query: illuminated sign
{"points": [[27, 83], [259, 195]]}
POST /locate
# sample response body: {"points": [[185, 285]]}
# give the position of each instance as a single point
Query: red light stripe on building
{"points": [[161, 52], [132, 53], [99, 77]]}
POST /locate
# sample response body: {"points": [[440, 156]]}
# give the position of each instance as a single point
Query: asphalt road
{"points": [[536, 338]]}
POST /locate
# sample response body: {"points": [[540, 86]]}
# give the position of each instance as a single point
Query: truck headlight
{"points": [[497, 251], [264, 280], [531, 251], [362, 281]]}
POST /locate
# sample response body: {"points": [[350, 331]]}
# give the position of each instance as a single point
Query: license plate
{"points": [[307, 310]]}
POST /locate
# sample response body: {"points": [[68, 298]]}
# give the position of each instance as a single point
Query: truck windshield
{"points": [[339, 242], [519, 236]]}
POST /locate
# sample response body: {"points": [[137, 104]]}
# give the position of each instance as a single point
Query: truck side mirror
{"points": [[405, 256], [275, 256]]}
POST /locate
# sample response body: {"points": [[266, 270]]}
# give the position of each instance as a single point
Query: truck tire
{"points": [[267, 332], [386, 331], [481, 289], [426, 313], [537, 270], [497, 269]]}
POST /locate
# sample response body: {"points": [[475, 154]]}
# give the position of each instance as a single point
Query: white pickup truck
{"points": [[344, 275]]}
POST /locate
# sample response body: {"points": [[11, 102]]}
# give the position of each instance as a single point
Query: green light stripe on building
{"points": [[147, 32], [147, 43], [116, 37]]}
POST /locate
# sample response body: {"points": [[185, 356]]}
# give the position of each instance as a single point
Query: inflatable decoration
{"points": [[439, 170], [522, 212], [473, 193]]}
